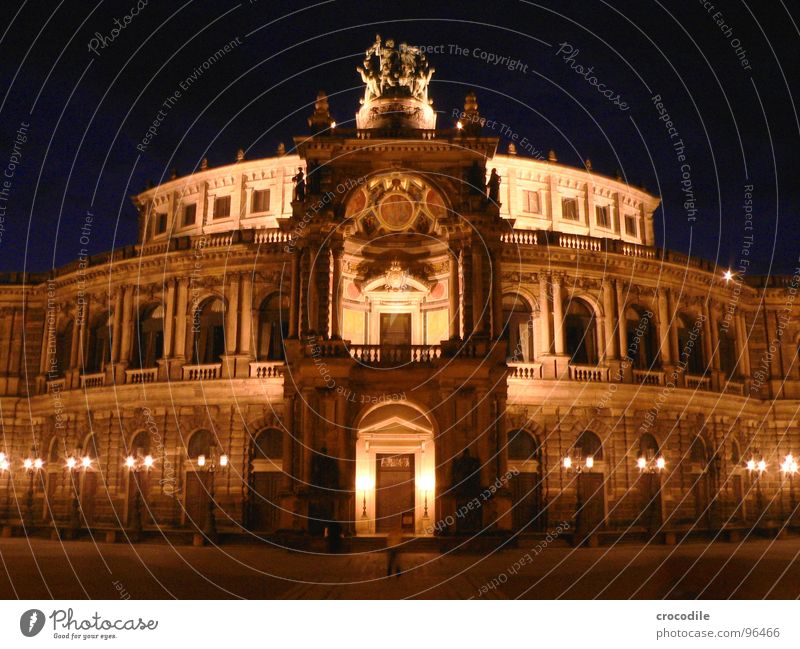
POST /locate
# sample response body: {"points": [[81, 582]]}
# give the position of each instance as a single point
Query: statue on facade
{"points": [[299, 181], [493, 186], [400, 72]]}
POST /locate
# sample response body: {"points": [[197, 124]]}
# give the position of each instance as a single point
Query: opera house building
{"points": [[394, 324]]}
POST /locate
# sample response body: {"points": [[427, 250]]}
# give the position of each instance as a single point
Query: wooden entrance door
{"points": [[197, 498], [526, 491], [591, 495], [739, 513], [702, 512], [88, 497], [264, 511], [137, 482], [394, 492], [650, 488]]}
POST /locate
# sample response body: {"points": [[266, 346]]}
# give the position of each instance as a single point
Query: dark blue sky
{"points": [[87, 112]]}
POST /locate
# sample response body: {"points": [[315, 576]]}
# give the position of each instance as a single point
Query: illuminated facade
{"points": [[320, 335]]}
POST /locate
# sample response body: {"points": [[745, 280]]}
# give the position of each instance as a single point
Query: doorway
{"points": [[264, 511], [395, 329], [590, 493], [197, 498], [395, 492]]}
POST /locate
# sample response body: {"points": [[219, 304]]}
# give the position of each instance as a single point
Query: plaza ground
{"points": [[38, 568]]}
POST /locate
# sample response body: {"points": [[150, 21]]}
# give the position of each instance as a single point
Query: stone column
{"points": [[294, 297], [478, 306], [336, 296], [169, 319], [453, 295], [466, 291], [622, 330], [497, 296], [288, 446], [664, 326], [231, 314], [558, 315], [127, 326], [611, 352], [246, 307], [708, 351], [116, 325], [180, 319], [544, 316], [744, 350]]}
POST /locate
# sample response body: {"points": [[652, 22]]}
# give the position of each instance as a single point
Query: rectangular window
{"points": [[260, 201], [569, 208], [189, 214], [630, 225], [603, 214], [530, 202], [222, 207], [161, 222]]}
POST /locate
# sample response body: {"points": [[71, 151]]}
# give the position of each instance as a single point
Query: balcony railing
{"points": [[525, 371], [697, 382], [56, 385], [395, 354], [266, 370], [202, 372], [588, 373], [649, 377], [94, 380], [734, 387], [143, 375]]}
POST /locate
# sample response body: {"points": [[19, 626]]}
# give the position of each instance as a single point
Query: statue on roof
{"points": [[395, 72]]}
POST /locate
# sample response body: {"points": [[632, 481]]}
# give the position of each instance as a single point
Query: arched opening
{"points": [[590, 505], [524, 457], [54, 467], [700, 469], [580, 331], [518, 328], [198, 478], [139, 480], [395, 476], [650, 484], [641, 351], [200, 443], [727, 352], [149, 338], [89, 478], [265, 480], [209, 332], [64, 348], [273, 327], [98, 349], [690, 344]]}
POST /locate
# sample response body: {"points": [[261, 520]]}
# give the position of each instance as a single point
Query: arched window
{"points": [[149, 337], [727, 351], [641, 336], [268, 445], [736, 454], [64, 348], [200, 443], [690, 344], [209, 332], [91, 447], [140, 443], [580, 332], [98, 351], [273, 327], [589, 444], [697, 451], [522, 446], [648, 447], [54, 453], [518, 328]]}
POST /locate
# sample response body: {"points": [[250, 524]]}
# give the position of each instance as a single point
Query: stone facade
{"points": [[377, 317]]}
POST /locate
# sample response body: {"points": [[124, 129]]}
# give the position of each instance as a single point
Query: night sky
{"points": [[72, 118]]}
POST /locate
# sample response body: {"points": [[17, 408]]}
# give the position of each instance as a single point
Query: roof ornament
{"points": [[395, 72]]}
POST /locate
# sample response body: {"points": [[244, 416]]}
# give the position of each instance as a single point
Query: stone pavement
{"points": [[84, 569]]}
